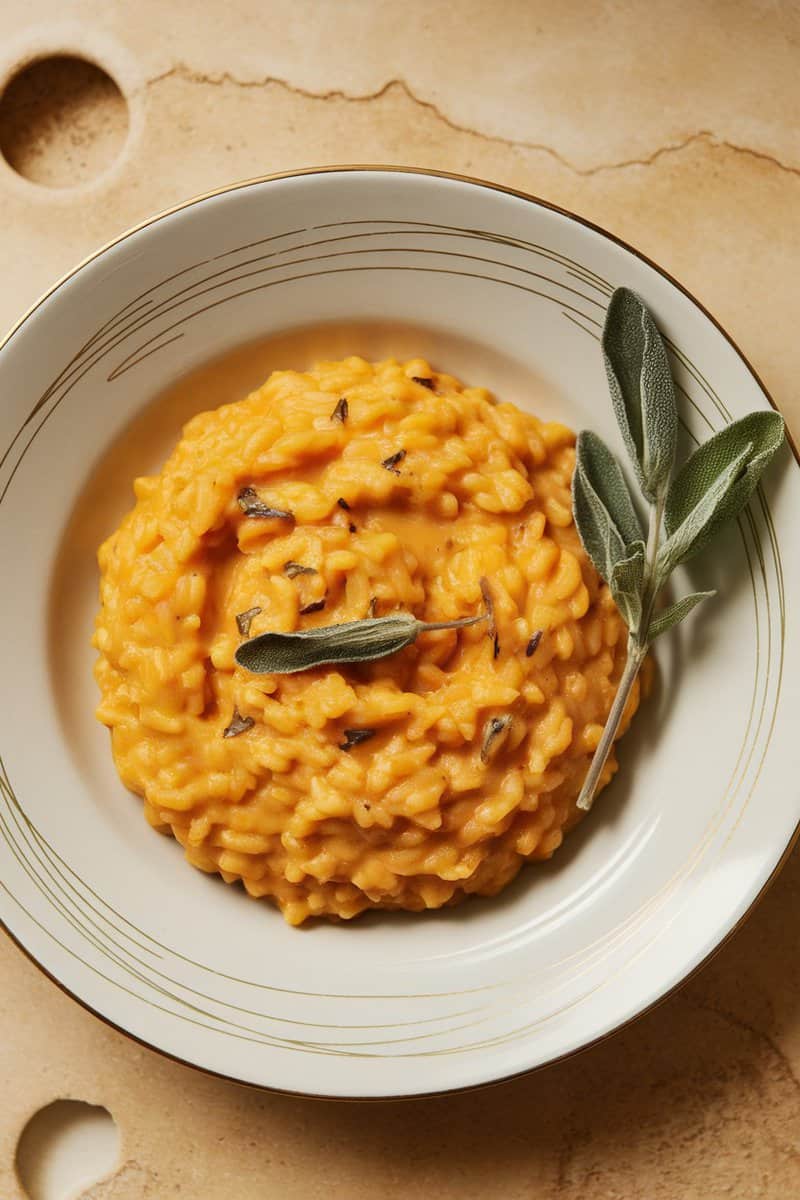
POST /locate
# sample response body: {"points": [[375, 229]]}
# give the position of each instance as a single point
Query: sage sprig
{"points": [[348, 642], [685, 510]]}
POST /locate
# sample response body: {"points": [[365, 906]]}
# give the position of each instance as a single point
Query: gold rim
{"points": [[529, 198]]}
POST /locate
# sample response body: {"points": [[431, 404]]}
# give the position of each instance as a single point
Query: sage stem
{"points": [[637, 652], [461, 623], [633, 663], [650, 587]]}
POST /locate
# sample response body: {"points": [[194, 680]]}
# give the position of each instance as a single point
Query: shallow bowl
{"points": [[503, 291]]}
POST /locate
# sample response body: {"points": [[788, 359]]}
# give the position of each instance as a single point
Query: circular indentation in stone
{"points": [[65, 1148], [63, 121]]}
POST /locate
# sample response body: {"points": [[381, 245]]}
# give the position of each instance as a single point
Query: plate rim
{"points": [[531, 198]]}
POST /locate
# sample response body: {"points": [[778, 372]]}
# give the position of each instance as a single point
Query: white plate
{"points": [[508, 293]]}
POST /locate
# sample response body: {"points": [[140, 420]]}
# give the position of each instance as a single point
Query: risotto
{"points": [[359, 490]]}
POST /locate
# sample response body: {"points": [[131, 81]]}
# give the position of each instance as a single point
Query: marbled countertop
{"points": [[676, 127]]}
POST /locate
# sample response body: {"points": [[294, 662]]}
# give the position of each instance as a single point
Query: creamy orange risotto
{"points": [[350, 491]]}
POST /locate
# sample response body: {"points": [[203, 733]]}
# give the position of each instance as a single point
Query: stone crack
{"points": [[399, 86]]}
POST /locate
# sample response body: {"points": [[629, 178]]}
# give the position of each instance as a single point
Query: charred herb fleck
{"points": [[245, 619], [341, 412], [391, 462], [239, 724], [293, 569], [425, 382], [488, 602], [343, 504], [495, 733], [252, 505], [354, 737], [314, 606], [533, 644]]}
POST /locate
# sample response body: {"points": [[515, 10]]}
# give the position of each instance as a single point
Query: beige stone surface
{"points": [[675, 126]]}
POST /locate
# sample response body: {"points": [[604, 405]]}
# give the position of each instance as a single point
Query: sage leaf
{"points": [[686, 539], [673, 615], [349, 642], [751, 443], [599, 535], [605, 476], [642, 390], [604, 514], [626, 584]]}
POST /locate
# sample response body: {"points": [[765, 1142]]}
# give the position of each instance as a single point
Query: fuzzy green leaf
{"points": [[605, 476], [349, 642], [751, 443], [642, 390], [604, 514], [684, 542], [626, 583], [676, 612]]}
